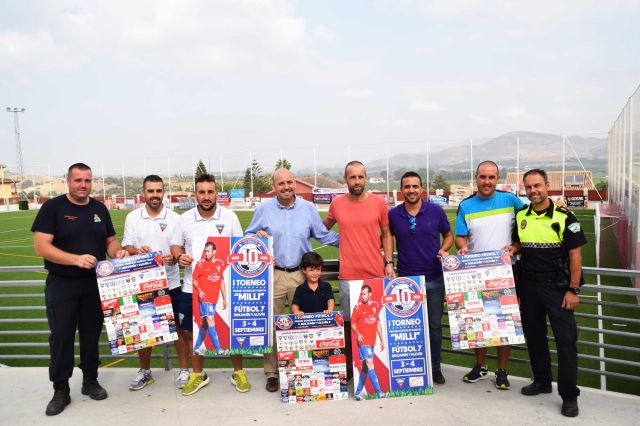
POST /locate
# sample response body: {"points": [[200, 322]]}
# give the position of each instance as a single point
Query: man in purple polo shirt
{"points": [[417, 226]]}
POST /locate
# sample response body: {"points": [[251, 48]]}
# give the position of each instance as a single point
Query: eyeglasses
{"points": [[412, 224]]}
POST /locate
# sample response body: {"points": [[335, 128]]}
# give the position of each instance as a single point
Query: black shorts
{"points": [[185, 312]]}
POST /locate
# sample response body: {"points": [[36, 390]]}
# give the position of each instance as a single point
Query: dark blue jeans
{"points": [[435, 299]]}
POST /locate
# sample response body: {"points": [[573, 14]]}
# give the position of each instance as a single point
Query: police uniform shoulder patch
{"points": [[574, 227], [523, 224], [563, 209]]}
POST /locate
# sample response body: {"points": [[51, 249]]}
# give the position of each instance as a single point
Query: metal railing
{"points": [[626, 342]]}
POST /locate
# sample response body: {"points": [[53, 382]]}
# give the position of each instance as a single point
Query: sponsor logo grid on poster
{"points": [[135, 302], [312, 363], [482, 303]]}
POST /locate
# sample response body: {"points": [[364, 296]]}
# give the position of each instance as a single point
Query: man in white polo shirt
{"points": [[203, 220], [146, 229]]}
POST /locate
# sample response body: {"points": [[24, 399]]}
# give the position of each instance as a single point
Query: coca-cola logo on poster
{"points": [[499, 283], [153, 285], [329, 343]]}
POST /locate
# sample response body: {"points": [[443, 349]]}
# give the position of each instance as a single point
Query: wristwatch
{"points": [[574, 290], [388, 262]]}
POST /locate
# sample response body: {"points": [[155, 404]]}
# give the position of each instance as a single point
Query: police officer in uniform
{"points": [[549, 277]]}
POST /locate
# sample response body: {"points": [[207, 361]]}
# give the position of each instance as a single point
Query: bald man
{"points": [[291, 221]]}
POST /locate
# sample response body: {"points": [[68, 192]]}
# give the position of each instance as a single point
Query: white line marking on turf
{"points": [[619, 325], [322, 246]]}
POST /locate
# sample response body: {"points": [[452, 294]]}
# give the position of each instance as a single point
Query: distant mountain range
{"points": [[536, 150]]}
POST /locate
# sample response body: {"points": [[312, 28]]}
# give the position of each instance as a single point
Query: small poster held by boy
{"points": [[135, 302], [311, 358]]}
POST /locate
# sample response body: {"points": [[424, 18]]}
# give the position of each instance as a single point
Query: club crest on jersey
{"points": [[402, 297], [219, 227], [163, 226], [96, 218], [451, 262], [249, 257]]}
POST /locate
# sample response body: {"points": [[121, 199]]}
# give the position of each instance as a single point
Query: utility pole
{"points": [[16, 123]]}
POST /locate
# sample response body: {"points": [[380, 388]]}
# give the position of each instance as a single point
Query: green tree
{"points": [[439, 182], [200, 169], [602, 185], [261, 182], [283, 163]]}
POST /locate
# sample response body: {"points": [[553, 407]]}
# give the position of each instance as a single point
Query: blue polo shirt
{"points": [[417, 252]]}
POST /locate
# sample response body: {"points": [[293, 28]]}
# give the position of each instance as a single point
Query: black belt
{"points": [[539, 276], [294, 269]]}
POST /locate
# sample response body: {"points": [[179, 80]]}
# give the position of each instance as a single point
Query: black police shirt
{"points": [[313, 301], [78, 229]]}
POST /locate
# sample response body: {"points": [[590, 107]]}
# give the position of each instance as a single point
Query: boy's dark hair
{"points": [[311, 260]]}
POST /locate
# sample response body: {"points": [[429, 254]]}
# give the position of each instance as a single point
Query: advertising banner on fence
{"points": [[236, 193], [232, 301], [311, 358], [390, 338], [135, 302], [482, 301], [441, 200], [223, 198], [578, 201]]}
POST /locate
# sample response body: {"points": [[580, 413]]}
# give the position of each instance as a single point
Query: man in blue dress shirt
{"points": [[291, 221]]}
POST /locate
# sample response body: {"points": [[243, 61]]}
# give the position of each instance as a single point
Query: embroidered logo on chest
{"points": [[96, 218], [220, 227], [163, 226]]}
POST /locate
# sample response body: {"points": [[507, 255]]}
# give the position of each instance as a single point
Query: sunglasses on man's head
{"points": [[412, 224]]}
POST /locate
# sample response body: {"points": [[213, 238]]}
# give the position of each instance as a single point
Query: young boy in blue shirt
{"points": [[312, 295]]}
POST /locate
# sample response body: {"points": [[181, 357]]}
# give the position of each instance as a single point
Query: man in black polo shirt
{"points": [[72, 233], [312, 295]]}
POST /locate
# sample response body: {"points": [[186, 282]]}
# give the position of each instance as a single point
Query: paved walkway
{"points": [[26, 391]]}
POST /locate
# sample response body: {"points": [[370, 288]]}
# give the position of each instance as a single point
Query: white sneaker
{"points": [[142, 379], [183, 378]]}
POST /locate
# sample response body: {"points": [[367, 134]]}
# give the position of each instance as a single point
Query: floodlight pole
{"points": [[16, 124]]}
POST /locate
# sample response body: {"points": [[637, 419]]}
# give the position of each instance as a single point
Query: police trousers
{"points": [[73, 303], [539, 300]]}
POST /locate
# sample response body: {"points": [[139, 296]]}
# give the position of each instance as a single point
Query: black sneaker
{"points": [[502, 382], [534, 389], [92, 388], [59, 401], [478, 372], [569, 407], [273, 384], [438, 378]]}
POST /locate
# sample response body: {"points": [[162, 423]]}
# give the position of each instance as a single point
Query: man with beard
{"points": [[73, 232], [363, 221], [417, 226], [205, 219], [291, 221], [484, 223], [146, 229]]}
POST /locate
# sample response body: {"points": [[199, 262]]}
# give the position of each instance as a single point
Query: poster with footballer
{"points": [[232, 300], [481, 298], [390, 338], [312, 363], [135, 299]]}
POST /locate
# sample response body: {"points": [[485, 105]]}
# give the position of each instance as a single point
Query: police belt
{"points": [[540, 276]]}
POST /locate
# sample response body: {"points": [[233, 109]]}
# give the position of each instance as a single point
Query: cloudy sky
{"points": [[124, 82]]}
